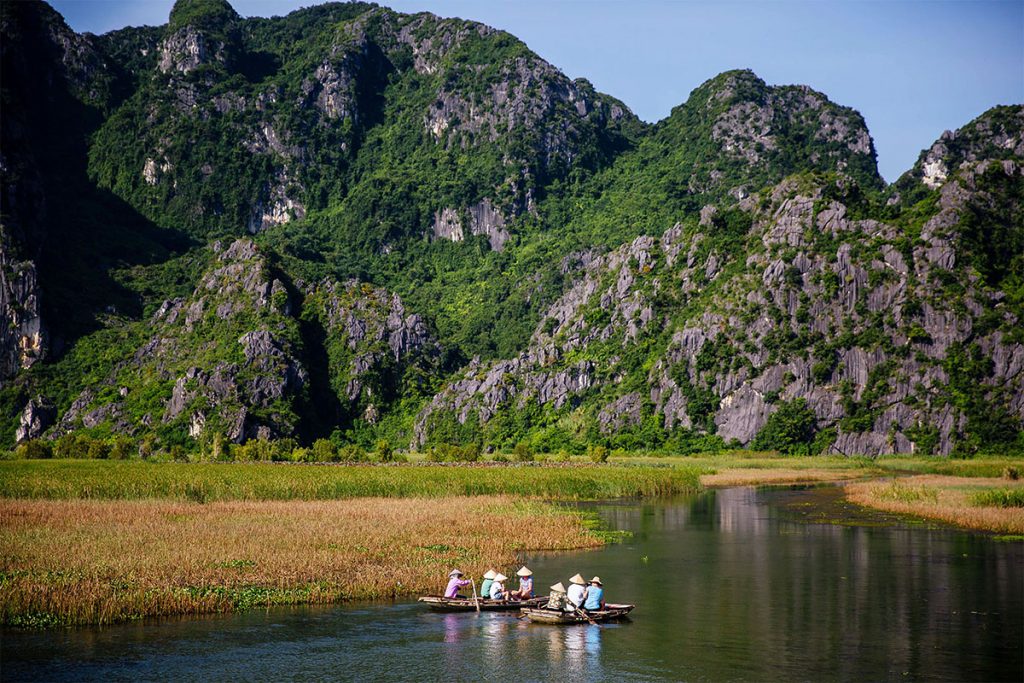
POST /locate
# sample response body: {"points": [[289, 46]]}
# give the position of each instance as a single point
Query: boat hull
{"points": [[440, 604], [547, 616]]}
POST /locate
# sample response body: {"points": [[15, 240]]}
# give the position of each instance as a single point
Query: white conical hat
{"points": [[578, 579], [500, 577], [523, 571], [490, 574], [597, 580], [558, 587], [455, 572]]}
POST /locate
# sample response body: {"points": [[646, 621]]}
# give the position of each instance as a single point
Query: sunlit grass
{"points": [[132, 480], [757, 476], [83, 561], [1000, 498], [971, 502], [745, 468]]}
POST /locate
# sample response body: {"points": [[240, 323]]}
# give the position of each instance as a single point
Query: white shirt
{"points": [[575, 594], [496, 590]]}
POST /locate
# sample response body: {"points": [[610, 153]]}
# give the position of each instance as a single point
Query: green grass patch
{"points": [[904, 493], [1000, 498], [206, 482]]}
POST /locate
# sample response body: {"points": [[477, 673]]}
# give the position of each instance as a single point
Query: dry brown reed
{"points": [[943, 498], [74, 562], [757, 476]]}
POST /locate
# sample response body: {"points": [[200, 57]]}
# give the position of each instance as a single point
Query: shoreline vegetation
{"points": [[97, 542], [69, 562], [982, 503]]}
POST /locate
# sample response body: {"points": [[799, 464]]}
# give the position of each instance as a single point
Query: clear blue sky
{"points": [[913, 69]]}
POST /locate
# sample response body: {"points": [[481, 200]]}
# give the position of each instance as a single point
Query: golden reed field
{"points": [[764, 476], [955, 500], [86, 561]]}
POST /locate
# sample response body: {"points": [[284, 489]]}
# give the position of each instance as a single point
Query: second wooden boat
{"points": [[540, 615]]}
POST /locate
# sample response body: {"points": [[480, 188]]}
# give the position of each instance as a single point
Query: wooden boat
{"points": [[540, 615], [440, 604]]}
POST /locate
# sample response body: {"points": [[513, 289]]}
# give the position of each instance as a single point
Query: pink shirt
{"points": [[454, 584]]}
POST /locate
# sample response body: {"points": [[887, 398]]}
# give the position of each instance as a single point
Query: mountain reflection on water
{"points": [[732, 584]]}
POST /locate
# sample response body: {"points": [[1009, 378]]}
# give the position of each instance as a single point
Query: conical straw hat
{"points": [[455, 572], [500, 577], [558, 587], [597, 580], [578, 579], [523, 571], [490, 574]]}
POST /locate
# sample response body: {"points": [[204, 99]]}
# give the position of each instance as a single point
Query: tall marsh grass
{"points": [[206, 482], [1000, 498], [87, 561], [971, 502]]}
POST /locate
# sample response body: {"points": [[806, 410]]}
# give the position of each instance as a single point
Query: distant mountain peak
{"points": [[201, 14], [996, 134]]}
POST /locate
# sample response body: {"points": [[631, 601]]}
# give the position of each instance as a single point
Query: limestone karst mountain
{"points": [[354, 221]]}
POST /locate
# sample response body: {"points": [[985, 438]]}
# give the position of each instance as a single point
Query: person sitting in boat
{"points": [[525, 585], [577, 593], [455, 582], [556, 598], [498, 591], [485, 586], [595, 596]]}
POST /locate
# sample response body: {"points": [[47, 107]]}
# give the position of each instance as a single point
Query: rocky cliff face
{"points": [[224, 359], [377, 350], [52, 78], [996, 134], [233, 357], [740, 134], [879, 325], [23, 337], [333, 75]]}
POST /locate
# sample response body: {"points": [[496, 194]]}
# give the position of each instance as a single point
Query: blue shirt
{"points": [[594, 595], [485, 588]]}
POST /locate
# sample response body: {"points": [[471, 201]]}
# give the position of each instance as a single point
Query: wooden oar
{"points": [[580, 612], [476, 598]]}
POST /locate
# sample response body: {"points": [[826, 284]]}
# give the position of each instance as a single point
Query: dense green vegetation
{"points": [[361, 126], [210, 482]]}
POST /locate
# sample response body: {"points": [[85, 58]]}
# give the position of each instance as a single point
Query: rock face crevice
{"points": [[23, 336]]}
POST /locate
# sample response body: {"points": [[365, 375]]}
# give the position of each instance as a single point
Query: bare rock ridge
{"points": [[735, 134]]}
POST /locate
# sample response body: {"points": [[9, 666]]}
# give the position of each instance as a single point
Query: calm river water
{"points": [[736, 584]]}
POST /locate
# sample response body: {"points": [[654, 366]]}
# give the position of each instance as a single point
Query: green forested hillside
{"points": [[356, 222]]}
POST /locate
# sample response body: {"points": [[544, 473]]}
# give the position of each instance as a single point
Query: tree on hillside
{"points": [[789, 430]]}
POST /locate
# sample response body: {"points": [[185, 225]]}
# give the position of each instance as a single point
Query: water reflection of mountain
{"points": [[733, 581]]}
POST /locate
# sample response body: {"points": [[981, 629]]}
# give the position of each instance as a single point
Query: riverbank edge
{"points": [[950, 501], [918, 500]]}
